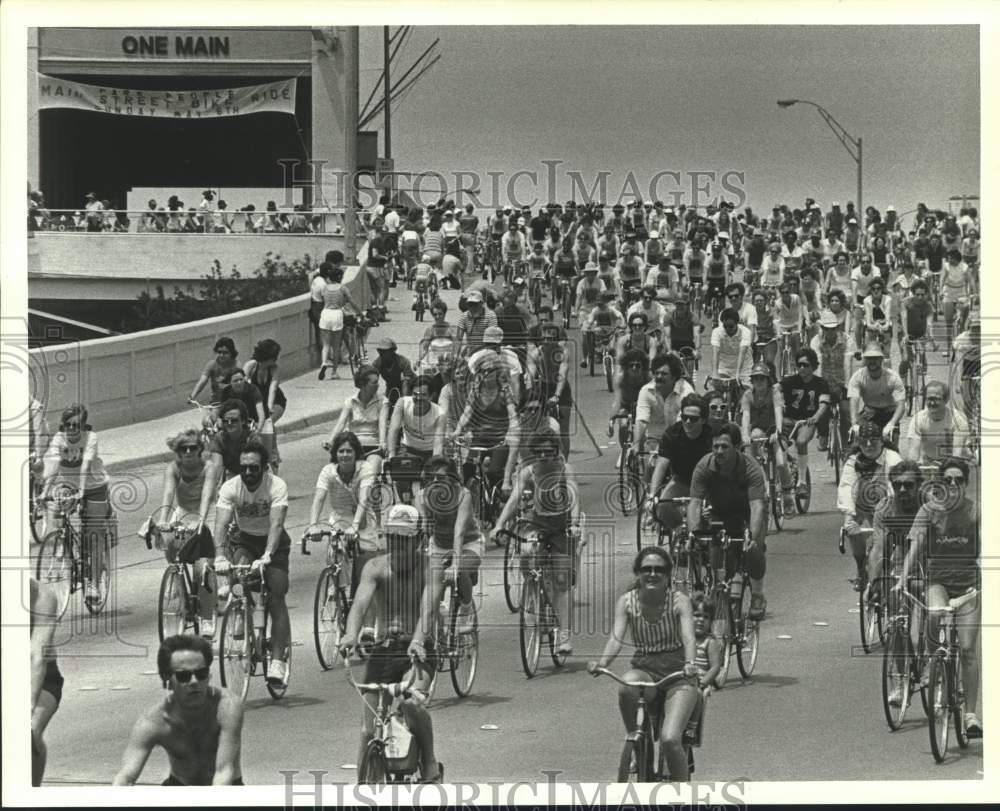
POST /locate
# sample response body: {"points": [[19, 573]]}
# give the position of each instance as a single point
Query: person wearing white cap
{"points": [[397, 584], [492, 349], [588, 291], [834, 348], [876, 393]]}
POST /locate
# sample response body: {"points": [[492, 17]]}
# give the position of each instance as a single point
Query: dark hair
{"points": [[636, 356], [232, 404], [546, 309], [638, 316], [545, 436], [336, 257], [439, 461], [738, 287], [362, 375], [807, 353], [698, 402], [702, 602], [226, 343], [420, 380], [729, 314], [237, 371], [180, 642], [918, 284], [439, 304], [324, 270], [652, 550], [266, 349], [351, 439], [904, 467], [953, 461], [838, 294], [77, 409], [336, 274], [252, 444], [732, 430]]}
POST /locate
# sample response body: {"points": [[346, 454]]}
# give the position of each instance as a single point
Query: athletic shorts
{"points": [[332, 319], [389, 661], [255, 545], [53, 681]]}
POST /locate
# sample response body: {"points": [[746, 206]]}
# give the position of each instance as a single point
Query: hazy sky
{"points": [[686, 99]]}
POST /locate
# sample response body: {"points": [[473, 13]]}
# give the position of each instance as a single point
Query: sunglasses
{"points": [[935, 399], [904, 485], [804, 365], [870, 440], [232, 421], [716, 408], [71, 426], [953, 480], [188, 449], [691, 417], [184, 676], [653, 569], [250, 468], [647, 298], [635, 366]]}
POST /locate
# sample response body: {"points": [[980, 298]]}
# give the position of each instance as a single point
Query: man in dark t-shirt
{"points": [[807, 398], [682, 446]]}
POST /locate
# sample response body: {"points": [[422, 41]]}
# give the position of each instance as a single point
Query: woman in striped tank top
{"points": [[662, 627]]}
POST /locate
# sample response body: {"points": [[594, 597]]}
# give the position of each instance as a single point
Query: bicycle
{"points": [[36, 506], [513, 577], [880, 334], [456, 651], [901, 666], [804, 499], [178, 607], [763, 451], [487, 500], [629, 479], [564, 301], [331, 602], [537, 617], [835, 449], [491, 261], [63, 560], [642, 747], [245, 634], [425, 292], [604, 341], [916, 353], [871, 611], [209, 420], [535, 282], [391, 755], [731, 391], [946, 695], [689, 358], [356, 336], [787, 357]]}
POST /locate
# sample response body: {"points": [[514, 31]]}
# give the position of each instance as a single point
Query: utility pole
{"points": [[352, 70], [385, 90]]}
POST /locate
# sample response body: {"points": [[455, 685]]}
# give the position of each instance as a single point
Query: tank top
{"points": [[851, 240], [878, 313], [762, 413], [553, 501], [696, 263], [653, 637], [630, 269], [403, 600], [264, 385], [654, 250], [716, 268], [832, 358], [630, 391], [755, 254], [677, 255], [536, 263], [565, 263], [442, 521], [590, 292], [953, 548], [765, 325], [419, 431], [333, 297], [188, 492], [492, 420], [701, 655], [630, 343]]}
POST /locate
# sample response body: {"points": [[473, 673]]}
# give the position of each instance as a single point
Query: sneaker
{"points": [[322, 371], [824, 443], [464, 624], [802, 489], [207, 627], [758, 607], [583, 364], [896, 694], [973, 728], [565, 644], [276, 671], [790, 509], [367, 636]]}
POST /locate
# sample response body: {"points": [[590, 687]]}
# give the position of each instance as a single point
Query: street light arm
{"points": [[850, 143]]}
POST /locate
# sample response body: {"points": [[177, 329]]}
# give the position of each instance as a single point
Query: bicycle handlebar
{"points": [[670, 678], [395, 689], [326, 531], [478, 448]]}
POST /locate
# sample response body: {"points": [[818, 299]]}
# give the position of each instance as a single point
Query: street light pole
{"points": [[851, 144]]}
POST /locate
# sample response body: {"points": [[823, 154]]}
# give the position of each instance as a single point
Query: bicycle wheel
{"points": [[530, 633], [834, 452], [54, 566], [171, 614], [958, 705], [102, 580], [464, 652], [373, 769], [722, 629], [592, 358], [636, 763], [896, 668], [276, 690], [512, 576], [867, 618], [939, 691], [773, 484], [329, 618], [609, 371], [235, 654], [549, 624], [36, 512], [646, 530], [803, 500], [747, 634]]}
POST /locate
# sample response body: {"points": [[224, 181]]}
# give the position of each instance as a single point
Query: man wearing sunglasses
{"points": [[937, 431], [806, 398], [659, 403], [946, 537], [864, 482], [199, 726], [735, 294], [259, 501], [734, 483]]}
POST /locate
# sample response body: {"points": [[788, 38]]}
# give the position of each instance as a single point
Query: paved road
{"points": [[812, 711]]}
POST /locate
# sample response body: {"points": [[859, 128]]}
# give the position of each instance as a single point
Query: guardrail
{"points": [[144, 221]]}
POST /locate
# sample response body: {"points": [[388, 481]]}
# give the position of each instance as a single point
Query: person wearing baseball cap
{"points": [[588, 291], [864, 483], [876, 393], [398, 579], [394, 369], [474, 321]]}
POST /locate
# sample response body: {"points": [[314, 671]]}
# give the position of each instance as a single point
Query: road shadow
{"points": [[477, 700], [766, 679], [289, 702]]}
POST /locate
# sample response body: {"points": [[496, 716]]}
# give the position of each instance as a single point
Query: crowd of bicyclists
{"points": [[473, 436]]}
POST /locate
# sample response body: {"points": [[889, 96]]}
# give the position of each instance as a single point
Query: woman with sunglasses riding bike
{"points": [[660, 622]]}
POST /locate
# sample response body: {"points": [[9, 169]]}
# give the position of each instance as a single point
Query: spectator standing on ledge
{"points": [[206, 218], [95, 212]]}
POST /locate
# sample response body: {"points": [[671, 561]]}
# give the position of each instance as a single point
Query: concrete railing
{"points": [[131, 378]]}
